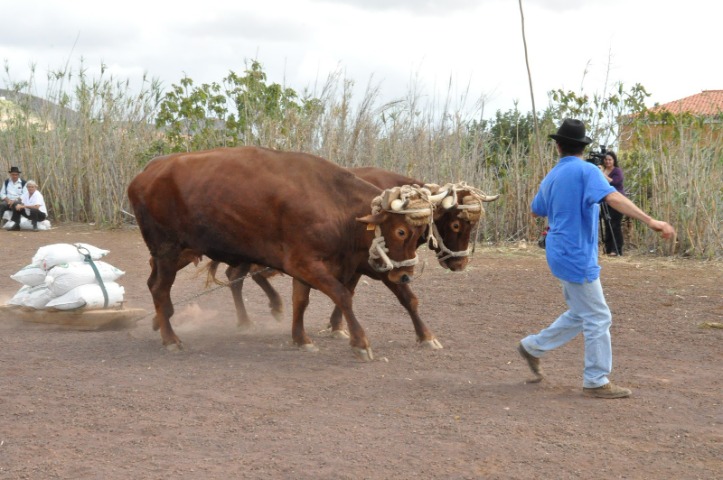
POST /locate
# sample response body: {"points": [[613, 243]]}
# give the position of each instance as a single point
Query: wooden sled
{"points": [[80, 319]]}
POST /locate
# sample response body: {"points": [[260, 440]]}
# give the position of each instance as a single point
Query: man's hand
{"points": [[623, 205], [666, 230]]}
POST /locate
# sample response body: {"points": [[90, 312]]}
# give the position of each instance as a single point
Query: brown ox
{"points": [[294, 212], [453, 228]]}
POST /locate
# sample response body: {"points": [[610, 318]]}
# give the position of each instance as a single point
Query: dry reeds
{"points": [[89, 138]]}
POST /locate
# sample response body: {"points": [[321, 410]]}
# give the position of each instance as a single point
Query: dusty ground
{"points": [[116, 405]]}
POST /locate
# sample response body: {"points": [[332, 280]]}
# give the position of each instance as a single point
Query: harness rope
{"points": [[443, 250], [206, 291]]}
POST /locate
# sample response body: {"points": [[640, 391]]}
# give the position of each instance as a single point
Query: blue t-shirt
{"points": [[569, 196]]}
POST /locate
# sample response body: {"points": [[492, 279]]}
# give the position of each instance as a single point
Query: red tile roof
{"points": [[708, 102]]}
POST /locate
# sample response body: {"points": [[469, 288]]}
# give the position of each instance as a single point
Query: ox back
{"points": [[384, 178], [256, 200]]}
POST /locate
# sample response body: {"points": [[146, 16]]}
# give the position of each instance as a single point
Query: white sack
{"points": [[64, 277], [27, 224], [89, 297], [34, 297], [30, 275], [51, 255], [19, 297]]}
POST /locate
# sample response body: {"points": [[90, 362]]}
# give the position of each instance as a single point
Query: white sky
{"points": [[670, 47]]}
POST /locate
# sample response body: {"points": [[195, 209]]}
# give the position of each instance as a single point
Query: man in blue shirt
{"points": [[569, 197]]}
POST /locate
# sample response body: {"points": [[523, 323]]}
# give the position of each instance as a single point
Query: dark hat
{"points": [[571, 131], [14, 170]]}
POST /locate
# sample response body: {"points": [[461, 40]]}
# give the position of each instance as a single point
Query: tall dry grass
{"points": [[92, 136], [675, 172], [82, 141]]}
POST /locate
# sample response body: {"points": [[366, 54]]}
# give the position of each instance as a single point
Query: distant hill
{"points": [[11, 102]]}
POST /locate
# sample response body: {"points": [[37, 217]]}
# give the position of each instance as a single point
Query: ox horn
{"points": [[489, 198], [398, 204], [472, 205], [436, 198], [449, 202], [389, 196]]}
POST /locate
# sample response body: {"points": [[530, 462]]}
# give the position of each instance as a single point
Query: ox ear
{"points": [[373, 220]]}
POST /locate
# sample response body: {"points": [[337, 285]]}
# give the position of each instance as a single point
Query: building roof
{"points": [[707, 102]]}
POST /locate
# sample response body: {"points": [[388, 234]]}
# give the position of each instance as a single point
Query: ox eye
{"points": [[401, 233], [456, 226]]}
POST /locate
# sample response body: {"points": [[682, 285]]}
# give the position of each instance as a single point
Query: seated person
{"points": [[32, 206], [11, 191]]}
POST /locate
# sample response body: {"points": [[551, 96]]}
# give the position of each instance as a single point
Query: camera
{"points": [[597, 158]]}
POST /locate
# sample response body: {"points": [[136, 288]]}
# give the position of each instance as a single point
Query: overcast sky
{"points": [[670, 47]]}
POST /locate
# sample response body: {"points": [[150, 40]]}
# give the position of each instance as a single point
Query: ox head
{"points": [[400, 217], [456, 216]]}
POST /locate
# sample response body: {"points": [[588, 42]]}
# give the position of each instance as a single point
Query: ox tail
{"points": [[211, 269]]}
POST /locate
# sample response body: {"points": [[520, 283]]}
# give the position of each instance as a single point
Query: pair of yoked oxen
{"points": [[323, 225]]}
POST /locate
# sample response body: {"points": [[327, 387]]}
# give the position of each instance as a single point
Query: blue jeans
{"points": [[588, 313]]}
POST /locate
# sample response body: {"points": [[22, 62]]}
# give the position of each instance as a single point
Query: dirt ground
{"points": [[115, 404]]}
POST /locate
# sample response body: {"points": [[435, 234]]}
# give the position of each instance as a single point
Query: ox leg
{"points": [[163, 273], [409, 301], [275, 303], [342, 297], [236, 275], [152, 279], [335, 321], [300, 300]]}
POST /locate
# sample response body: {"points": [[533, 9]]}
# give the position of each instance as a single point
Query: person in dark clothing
{"points": [[612, 219]]}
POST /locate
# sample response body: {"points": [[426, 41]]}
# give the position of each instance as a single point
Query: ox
{"points": [[450, 238], [293, 212]]}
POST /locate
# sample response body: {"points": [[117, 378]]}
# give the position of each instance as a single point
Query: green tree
{"points": [[601, 112], [190, 116], [241, 110]]}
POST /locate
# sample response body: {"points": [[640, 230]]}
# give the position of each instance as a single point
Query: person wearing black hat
{"points": [[11, 191], [569, 197]]}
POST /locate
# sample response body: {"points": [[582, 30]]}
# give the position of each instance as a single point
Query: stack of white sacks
{"points": [[25, 223], [59, 277]]}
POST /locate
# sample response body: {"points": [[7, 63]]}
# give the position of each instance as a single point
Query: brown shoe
{"points": [[607, 391], [532, 362]]}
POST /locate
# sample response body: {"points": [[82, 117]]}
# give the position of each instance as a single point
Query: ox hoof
{"points": [[432, 344], [308, 347], [278, 315], [339, 334], [174, 347], [364, 354]]}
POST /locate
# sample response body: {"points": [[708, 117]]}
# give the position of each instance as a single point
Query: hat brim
{"points": [[575, 141]]}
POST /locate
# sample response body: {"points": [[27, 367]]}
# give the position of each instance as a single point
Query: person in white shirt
{"points": [[32, 206], [11, 191]]}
